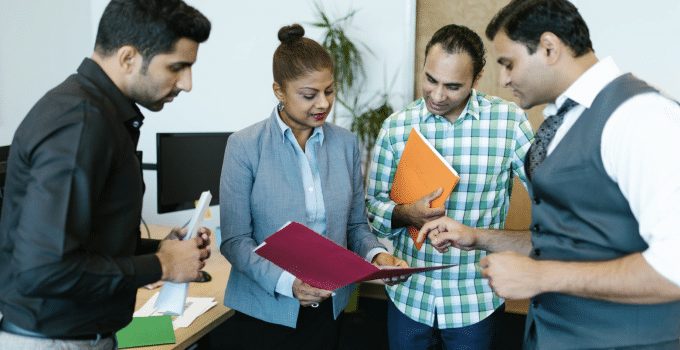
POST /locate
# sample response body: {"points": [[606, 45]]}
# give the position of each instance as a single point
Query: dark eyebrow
{"points": [[311, 89], [431, 77], [307, 89], [445, 84], [181, 64]]}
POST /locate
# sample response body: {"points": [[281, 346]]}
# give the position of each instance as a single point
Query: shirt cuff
{"points": [[663, 259], [380, 218], [285, 284], [373, 252], [147, 269]]}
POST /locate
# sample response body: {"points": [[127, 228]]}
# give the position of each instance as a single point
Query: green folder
{"points": [[145, 331]]}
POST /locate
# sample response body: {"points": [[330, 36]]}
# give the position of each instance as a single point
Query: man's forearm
{"points": [[503, 240], [629, 279]]}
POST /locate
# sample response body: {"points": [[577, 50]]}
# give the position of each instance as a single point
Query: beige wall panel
{"points": [[432, 15]]}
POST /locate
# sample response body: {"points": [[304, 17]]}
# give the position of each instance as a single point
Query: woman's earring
{"points": [[280, 106]]}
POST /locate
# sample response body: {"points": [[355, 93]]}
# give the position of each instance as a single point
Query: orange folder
{"points": [[420, 171]]}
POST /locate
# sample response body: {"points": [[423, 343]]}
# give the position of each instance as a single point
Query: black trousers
{"points": [[316, 329]]}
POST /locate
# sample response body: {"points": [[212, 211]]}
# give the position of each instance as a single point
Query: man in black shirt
{"points": [[71, 257]]}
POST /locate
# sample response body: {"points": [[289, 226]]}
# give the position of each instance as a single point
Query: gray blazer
{"points": [[261, 189]]}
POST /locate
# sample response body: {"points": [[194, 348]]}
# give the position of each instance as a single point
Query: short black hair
{"points": [[456, 39], [525, 21], [151, 26], [297, 55]]}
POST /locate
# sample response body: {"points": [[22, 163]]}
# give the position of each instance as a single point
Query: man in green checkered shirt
{"points": [[485, 139]]}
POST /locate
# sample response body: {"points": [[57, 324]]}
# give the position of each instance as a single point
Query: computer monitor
{"points": [[4, 153], [188, 164]]}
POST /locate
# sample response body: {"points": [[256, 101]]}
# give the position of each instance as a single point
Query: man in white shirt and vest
{"points": [[600, 262]]}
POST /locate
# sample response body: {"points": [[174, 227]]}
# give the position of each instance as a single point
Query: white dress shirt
{"points": [[639, 146]]}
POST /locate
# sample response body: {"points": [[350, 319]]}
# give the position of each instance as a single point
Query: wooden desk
{"points": [[219, 268]]}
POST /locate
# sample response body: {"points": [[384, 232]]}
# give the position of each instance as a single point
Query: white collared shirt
{"points": [[639, 149]]}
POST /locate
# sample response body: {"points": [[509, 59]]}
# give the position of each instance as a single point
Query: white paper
{"points": [[193, 308], [173, 296]]}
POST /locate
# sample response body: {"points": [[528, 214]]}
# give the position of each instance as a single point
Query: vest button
{"points": [[537, 200], [537, 252], [537, 228]]}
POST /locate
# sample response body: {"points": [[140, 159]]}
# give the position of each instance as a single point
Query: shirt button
{"points": [[537, 228], [537, 200], [311, 189], [535, 303], [537, 252]]}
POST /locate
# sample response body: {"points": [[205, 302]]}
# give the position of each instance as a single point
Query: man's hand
{"points": [[512, 275], [308, 295], [182, 261], [418, 213], [178, 234], [446, 232], [388, 260]]}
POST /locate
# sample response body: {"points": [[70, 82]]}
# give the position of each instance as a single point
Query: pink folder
{"points": [[322, 263]]}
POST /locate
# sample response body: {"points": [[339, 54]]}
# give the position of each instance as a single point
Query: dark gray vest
{"points": [[579, 214]]}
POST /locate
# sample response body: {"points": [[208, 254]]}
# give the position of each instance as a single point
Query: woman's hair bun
{"points": [[291, 33]]}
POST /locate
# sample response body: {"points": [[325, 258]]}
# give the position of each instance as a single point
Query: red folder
{"points": [[322, 263]]}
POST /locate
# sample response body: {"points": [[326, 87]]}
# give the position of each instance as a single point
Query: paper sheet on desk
{"points": [[193, 308], [173, 295]]}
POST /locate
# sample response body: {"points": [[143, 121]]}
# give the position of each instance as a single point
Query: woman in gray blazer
{"points": [[291, 166]]}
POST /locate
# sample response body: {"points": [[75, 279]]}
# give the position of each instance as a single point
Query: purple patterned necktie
{"points": [[544, 135]]}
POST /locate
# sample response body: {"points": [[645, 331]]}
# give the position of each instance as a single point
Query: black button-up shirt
{"points": [[69, 235]]}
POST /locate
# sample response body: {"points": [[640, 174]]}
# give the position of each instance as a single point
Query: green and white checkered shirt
{"points": [[486, 145]]}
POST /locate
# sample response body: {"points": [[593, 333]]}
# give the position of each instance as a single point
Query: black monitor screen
{"points": [[4, 153], [188, 164]]}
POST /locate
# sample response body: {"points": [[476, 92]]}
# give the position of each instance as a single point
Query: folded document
{"points": [[193, 307], [322, 263]]}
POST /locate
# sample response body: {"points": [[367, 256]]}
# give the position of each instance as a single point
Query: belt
{"points": [[10, 327]]}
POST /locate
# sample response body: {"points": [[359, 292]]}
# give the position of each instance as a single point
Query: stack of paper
{"points": [[193, 307], [422, 170]]}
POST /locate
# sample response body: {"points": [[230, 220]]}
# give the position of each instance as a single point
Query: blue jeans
{"points": [[405, 333]]}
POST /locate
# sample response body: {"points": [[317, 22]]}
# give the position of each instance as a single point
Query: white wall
{"points": [[640, 35], [42, 41], [232, 77]]}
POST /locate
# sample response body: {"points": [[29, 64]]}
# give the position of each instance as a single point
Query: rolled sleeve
{"points": [[378, 203], [641, 158], [523, 138], [662, 257]]}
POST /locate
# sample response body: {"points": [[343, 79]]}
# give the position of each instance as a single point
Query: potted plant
{"points": [[366, 117]]}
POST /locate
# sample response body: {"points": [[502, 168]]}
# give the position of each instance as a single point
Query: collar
{"points": [[472, 108], [587, 86], [286, 129], [127, 110]]}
